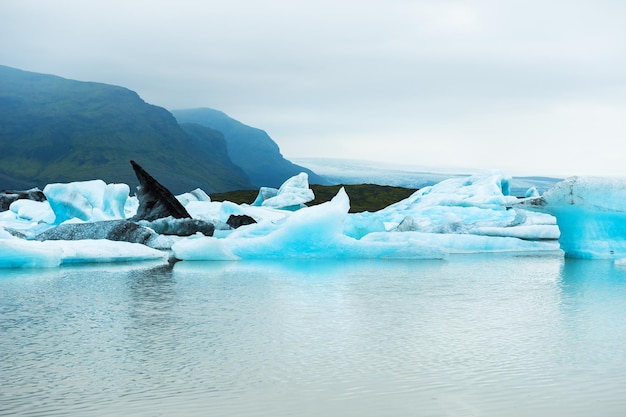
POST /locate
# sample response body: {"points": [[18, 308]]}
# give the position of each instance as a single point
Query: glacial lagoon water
{"points": [[474, 335]]}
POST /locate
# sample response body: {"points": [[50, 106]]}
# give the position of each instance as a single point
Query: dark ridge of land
{"points": [[363, 197], [54, 129]]}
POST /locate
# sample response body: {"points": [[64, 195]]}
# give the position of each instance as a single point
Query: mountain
{"points": [[54, 129], [250, 148]]}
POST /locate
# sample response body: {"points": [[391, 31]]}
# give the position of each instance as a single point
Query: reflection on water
{"points": [[484, 335]]}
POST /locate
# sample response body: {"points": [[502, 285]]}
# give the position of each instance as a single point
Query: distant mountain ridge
{"points": [[250, 148], [54, 129]]}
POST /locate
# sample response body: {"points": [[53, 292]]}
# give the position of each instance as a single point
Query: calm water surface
{"points": [[476, 335]]}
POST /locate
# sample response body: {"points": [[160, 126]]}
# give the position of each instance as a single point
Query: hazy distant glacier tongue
{"points": [[591, 214]]}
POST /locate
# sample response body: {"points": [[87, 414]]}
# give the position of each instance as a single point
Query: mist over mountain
{"points": [[250, 148], [54, 129]]}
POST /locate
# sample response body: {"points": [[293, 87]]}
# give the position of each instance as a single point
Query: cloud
{"points": [[439, 81]]}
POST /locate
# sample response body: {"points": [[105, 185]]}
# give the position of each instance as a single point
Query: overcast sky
{"points": [[530, 87]]}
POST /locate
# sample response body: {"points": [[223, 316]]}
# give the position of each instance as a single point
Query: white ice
{"points": [[33, 254], [292, 194], [458, 215], [87, 200]]}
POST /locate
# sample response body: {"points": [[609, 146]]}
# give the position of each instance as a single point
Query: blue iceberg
{"points": [[579, 217], [591, 215]]}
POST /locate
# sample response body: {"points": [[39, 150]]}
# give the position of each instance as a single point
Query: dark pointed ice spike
{"points": [[155, 201]]}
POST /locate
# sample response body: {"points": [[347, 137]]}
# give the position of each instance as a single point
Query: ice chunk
{"points": [[87, 200], [489, 191], [33, 254], [35, 211], [532, 192], [94, 251], [195, 195], [479, 205], [131, 206], [358, 225], [465, 243], [291, 195], [265, 193], [114, 200], [17, 253], [203, 249], [590, 213]]}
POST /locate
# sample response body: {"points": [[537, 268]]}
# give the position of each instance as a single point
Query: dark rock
{"points": [[8, 196], [238, 220], [118, 230], [155, 201], [180, 227]]}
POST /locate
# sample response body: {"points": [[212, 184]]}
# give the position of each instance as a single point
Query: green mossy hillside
{"points": [[58, 130]]}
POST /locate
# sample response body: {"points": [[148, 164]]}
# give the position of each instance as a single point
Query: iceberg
{"points": [[475, 205], [34, 211], [580, 217], [195, 195], [16, 253], [591, 215], [313, 232], [463, 215], [293, 194], [87, 200]]}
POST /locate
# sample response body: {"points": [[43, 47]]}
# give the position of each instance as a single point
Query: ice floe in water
{"points": [[462, 215], [582, 217], [313, 232], [591, 214], [51, 253]]}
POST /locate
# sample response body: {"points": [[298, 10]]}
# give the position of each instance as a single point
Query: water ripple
{"points": [[472, 336]]}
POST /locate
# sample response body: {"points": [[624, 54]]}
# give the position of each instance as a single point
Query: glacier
{"points": [[579, 217]]}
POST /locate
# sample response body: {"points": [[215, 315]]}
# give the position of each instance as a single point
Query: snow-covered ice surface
{"points": [[464, 214]]}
